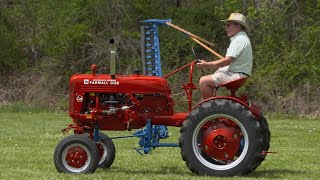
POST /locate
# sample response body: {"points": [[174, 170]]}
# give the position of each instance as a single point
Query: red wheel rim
{"points": [[102, 151], [220, 130], [221, 140], [76, 157]]}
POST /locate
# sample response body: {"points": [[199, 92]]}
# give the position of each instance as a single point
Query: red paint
{"points": [[221, 140], [76, 157], [125, 102]]}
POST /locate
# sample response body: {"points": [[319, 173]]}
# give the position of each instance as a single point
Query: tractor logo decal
{"points": [[101, 81], [79, 98]]}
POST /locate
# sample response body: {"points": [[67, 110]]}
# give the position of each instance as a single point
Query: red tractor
{"points": [[220, 136]]}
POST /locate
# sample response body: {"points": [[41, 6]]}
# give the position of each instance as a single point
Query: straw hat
{"points": [[240, 19]]}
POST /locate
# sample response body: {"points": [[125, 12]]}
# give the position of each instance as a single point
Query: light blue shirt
{"points": [[240, 49]]}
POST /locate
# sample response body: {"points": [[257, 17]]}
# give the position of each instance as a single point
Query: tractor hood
{"points": [[121, 84]]}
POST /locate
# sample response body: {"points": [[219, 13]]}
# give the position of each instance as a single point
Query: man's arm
{"points": [[216, 64]]}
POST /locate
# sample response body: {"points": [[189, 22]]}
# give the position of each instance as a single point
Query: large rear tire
{"points": [[76, 154], [264, 127], [221, 138]]}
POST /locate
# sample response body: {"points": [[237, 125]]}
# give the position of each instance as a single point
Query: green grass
{"points": [[28, 141]]}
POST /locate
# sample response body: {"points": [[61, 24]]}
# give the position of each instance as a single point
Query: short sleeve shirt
{"points": [[240, 49]]}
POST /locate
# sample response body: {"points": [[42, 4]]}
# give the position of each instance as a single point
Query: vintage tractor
{"points": [[220, 136]]}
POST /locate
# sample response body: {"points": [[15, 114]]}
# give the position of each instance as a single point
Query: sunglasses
{"points": [[229, 24]]}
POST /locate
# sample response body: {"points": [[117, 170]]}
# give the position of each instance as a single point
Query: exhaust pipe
{"points": [[112, 59]]}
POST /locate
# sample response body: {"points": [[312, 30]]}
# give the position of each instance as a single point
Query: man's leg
{"points": [[209, 83], [207, 86]]}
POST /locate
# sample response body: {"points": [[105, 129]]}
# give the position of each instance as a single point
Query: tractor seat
{"points": [[233, 86]]}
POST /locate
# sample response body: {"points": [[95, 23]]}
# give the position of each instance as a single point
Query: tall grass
{"points": [[28, 141]]}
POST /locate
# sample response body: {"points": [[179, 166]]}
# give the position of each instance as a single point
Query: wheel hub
{"points": [[221, 140], [76, 157]]}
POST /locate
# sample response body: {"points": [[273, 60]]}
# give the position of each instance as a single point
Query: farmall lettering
{"points": [[101, 81]]}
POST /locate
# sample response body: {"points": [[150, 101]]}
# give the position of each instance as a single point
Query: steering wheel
{"points": [[196, 55], [197, 59]]}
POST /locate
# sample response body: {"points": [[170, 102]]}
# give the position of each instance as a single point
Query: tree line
{"points": [[44, 42]]}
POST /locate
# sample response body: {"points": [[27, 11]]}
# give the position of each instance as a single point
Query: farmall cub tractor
{"points": [[220, 136]]}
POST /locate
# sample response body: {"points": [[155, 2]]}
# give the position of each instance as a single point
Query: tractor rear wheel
{"points": [[76, 154], [107, 151], [221, 138], [264, 127]]}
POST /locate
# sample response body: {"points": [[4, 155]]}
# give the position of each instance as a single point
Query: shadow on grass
{"points": [[160, 171], [275, 173], [172, 170]]}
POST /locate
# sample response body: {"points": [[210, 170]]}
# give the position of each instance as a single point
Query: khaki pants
{"points": [[222, 76]]}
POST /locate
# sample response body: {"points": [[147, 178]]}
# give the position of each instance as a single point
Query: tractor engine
{"points": [[118, 103]]}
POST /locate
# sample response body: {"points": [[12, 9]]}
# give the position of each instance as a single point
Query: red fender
{"points": [[255, 110]]}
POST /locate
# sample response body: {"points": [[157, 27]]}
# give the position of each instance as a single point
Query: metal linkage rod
{"points": [[206, 47], [189, 33]]}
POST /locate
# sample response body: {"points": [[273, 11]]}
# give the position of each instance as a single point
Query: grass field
{"points": [[28, 141]]}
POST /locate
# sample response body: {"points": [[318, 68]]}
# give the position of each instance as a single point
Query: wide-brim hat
{"points": [[240, 19]]}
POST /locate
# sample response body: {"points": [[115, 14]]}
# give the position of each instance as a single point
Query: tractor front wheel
{"points": [[221, 138], [76, 154], [106, 151]]}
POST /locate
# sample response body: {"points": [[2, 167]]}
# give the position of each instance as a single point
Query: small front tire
{"points": [[76, 154], [107, 151]]}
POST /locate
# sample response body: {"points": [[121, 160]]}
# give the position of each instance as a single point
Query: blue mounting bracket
{"points": [[150, 137], [96, 136]]}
